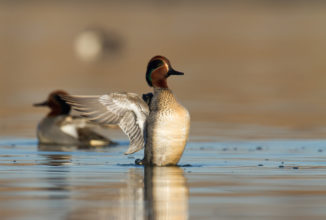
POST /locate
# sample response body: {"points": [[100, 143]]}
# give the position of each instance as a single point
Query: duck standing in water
{"points": [[59, 127], [157, 121]]}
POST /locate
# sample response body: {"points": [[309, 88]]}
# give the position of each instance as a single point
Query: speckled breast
{"points": [[167, 134]]}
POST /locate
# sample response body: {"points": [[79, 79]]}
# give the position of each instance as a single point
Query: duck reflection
{"points": [[56, 158], [161, 193], [145, 193], [166, 194]]}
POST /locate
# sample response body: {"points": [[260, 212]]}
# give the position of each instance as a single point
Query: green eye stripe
{"points": [[149, 75], [153, 66]]}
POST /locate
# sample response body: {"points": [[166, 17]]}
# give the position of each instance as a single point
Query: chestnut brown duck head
{"points": [[158, 70], [57, 105]]}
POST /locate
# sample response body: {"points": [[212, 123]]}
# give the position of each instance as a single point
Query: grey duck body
{"points": [[69, 130]]}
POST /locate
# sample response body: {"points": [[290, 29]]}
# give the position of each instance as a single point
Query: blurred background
{"points": [[253, 69]]}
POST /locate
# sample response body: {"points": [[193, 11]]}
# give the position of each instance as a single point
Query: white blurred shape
{"points": [[89, 45]]}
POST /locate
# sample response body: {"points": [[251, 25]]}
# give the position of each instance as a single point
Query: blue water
{"points": [[282, 179]]}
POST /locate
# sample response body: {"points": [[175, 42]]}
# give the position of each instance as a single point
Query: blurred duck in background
{"points": [[61, 128]]}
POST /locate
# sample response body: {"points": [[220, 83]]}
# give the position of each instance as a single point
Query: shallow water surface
{"points": [[218, 180]]}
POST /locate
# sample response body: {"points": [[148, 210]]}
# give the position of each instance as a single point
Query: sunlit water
{"points": [[223, 180]]}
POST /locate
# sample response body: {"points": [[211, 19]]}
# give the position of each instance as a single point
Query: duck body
{"points": [[61, 128], [167, 129], [51, 131], [155, 121], [68, 130]]}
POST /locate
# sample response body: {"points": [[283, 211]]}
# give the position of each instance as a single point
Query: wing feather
{"points": [[128, 110]]}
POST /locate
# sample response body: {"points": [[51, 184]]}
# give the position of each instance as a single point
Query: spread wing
{"points": [[127, 110]]}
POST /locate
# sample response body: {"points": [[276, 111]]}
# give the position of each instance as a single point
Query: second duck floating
{"points": [[59, 127]]}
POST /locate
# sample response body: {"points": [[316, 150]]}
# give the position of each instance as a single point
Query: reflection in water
{"points": [[54, 159], [162, 195], [131, 198], [166, 194], [67, 148], [156, 193], [57, 159], [289, 185], [159, 193], [56, 176]]}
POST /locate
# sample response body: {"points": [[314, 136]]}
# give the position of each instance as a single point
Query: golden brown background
{"points": [[253, 69]]}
